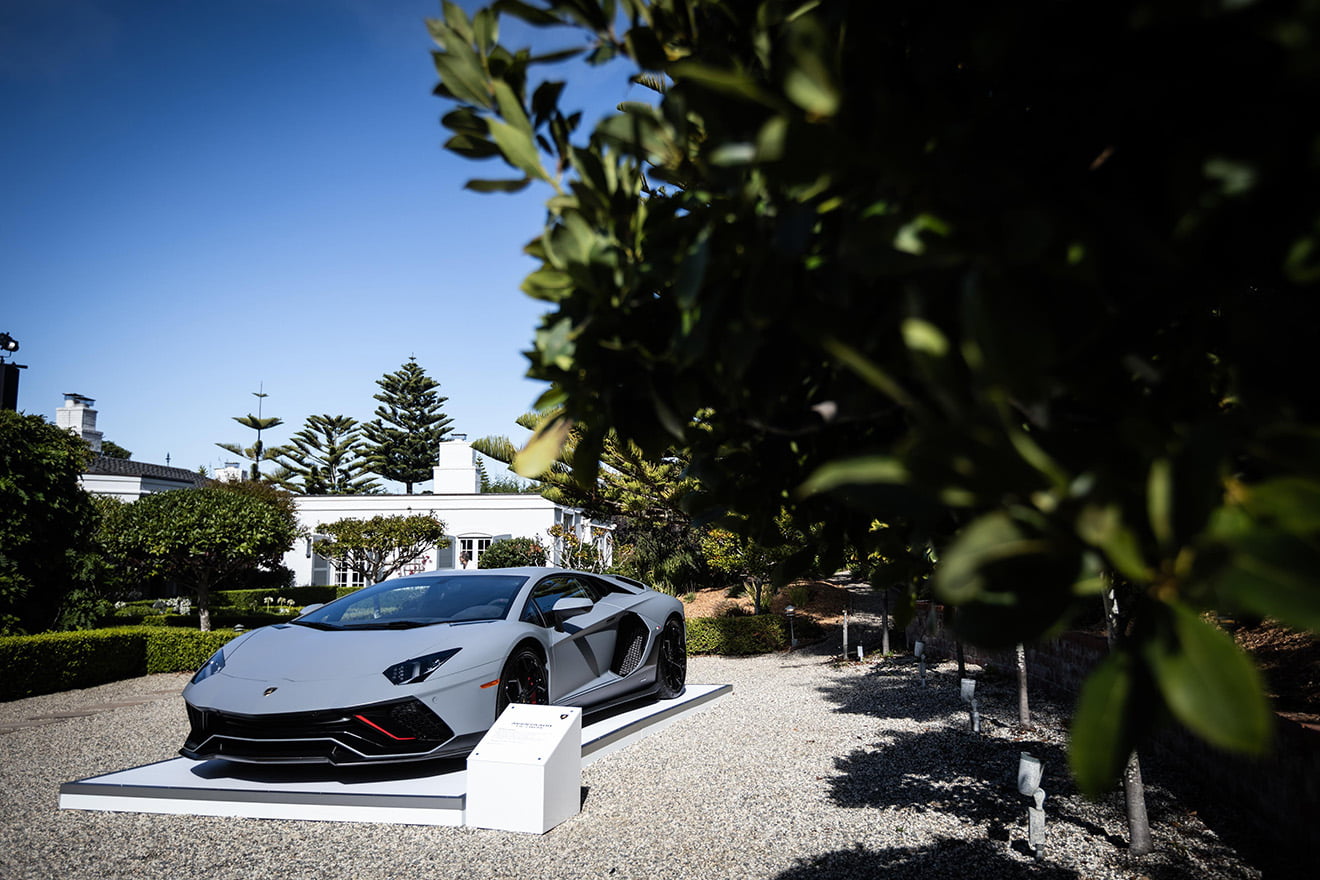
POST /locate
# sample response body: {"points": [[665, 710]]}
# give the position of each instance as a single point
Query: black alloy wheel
{"points": [[671, 672], [523, 680]]}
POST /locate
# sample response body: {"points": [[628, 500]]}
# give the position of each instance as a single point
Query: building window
{"points": [[346, 577], [471, 550]]}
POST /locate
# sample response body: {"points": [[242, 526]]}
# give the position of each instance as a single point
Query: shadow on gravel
{"points": [[945, 859], [942, 767], [890, 690]]}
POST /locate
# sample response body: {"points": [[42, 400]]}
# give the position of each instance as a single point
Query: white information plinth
{"points": [[526, 773]]}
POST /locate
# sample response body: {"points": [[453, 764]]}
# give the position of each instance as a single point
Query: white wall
{"points": [[472, 515]]}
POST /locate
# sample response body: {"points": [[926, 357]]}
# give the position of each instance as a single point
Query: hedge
{"points": [[751, 634], [52, 662]]}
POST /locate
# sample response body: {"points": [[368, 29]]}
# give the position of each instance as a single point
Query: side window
{"points": [[602, 588], [548, 592]]}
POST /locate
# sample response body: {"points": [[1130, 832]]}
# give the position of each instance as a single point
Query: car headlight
{"points": [[418, 668], [210, 667]]}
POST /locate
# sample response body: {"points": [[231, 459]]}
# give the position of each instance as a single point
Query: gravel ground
{"points": [[810, 769]]}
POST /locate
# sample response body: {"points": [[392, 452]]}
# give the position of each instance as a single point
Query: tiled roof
{"points": [[123, 467]]}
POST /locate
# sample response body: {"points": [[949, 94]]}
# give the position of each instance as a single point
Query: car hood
{"points": [[299, 653]]}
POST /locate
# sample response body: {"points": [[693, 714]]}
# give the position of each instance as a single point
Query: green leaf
{"points": [[489, 186], [1208, 683], [548, 284], [854, 471], [526, 12], [464, 79], [809, 83], [1102, 526], [1291, 502], [730, 82], [1268, 571], [1102, 737], [511, 108], [995, 537], [518, 148], [472, 147], [542, 451], [1159, 502]]}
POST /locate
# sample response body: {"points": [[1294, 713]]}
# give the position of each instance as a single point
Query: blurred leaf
{"points": [[489, 186], [1159, 502], [730, 82], [464, 79], [511, 108], [526, 12], [1268, 572], [1293, 503], [1101, 735], [555, 344], [1102, 526], [645, 48], [547, 284], [542, 451], [995, 537], [809, 82], [854, 471], [1208, 683], [518, 148], [472, 147]]}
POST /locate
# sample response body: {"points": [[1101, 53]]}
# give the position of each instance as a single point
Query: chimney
{"points": [[456, 471], [78, 416]]}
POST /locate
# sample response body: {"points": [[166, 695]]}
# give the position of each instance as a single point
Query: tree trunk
{"points": [[884, 626], [204, 609], [1024, 707], [1134, 790]]}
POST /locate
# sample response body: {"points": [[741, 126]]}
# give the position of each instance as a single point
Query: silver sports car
{"points": [[419, 667]]}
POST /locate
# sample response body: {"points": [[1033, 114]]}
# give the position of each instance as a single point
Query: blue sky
{"points": [[203, 199]]}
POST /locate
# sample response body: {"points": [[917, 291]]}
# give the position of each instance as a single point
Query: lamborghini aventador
{"points": [[419, 667]]}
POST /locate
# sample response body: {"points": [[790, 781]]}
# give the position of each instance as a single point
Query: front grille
{"points": [[385, 731]]}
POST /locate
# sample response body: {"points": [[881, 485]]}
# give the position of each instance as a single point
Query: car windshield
{"points": [[409, 602]]}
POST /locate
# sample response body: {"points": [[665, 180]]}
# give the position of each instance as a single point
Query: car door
{"points": [[582, 647]]}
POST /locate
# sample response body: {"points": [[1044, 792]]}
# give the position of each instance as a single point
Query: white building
{"points": [[118, 477], [473, 520]]}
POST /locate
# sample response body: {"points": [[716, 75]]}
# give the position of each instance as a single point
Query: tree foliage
{"points": [[48, 521], [512, 553], [111, 449], [626, 483], [325, 458], [1048, 270], [753, 561], [378, 547], [257, 452], [202, 539], [402, 442]]}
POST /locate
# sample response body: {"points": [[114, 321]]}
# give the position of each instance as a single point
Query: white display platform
{"points": [[535, 751], [319, 792]]}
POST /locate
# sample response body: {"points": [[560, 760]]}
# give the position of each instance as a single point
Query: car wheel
{"points": [[671, 672], [523, 680]]}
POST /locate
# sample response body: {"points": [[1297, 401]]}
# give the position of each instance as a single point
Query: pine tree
{"points": [[325, 458], [403, 440], [257, 452]]}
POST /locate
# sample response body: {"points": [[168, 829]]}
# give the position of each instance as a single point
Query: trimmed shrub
{"points": [[756, 634], [52, 662], [255, 599], [512, 553], [750, 634]]}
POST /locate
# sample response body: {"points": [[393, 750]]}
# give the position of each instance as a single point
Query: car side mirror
{"points": [[570, 607], [308, 609]]}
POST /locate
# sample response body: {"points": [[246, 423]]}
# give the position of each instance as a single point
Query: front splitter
{"points": [[431, 794]]}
